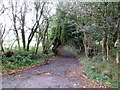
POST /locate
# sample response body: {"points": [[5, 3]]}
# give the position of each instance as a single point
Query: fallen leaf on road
{"points": [[44, 73], [72, 74]]}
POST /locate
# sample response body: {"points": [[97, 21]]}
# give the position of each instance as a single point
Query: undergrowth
{"points": [[105, 72], [22, 58]]}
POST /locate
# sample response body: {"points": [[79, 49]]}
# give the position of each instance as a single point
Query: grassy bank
{"points": [[105, 72], [21, 59]]}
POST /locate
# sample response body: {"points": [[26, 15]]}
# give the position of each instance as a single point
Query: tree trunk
{"points": [[86, 45], [23, 31], [45, 48], [108, 51], [1, 45], [14, 10], [0, 40], [16, 31], [23, 14], [31, 37], [38, 42], [117, 57], [104, 49], [118, 41], [23, 38], [17, 36]]}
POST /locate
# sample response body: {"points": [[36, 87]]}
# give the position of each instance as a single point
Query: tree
{"points": [[22, 20], [118, 36], [36, 25], [88, 23], [2, 33], [14, 18]]}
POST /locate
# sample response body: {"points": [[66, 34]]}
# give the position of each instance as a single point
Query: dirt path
{"points": [[63, 72]]}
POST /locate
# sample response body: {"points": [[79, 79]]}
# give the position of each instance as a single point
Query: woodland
{"points": [[30, 32]]}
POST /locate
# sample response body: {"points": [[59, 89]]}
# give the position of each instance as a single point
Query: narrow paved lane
{"points": [[63, 72]]}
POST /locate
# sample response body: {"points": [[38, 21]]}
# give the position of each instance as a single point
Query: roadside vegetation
{"points": [[104, 72], [21, 59]]}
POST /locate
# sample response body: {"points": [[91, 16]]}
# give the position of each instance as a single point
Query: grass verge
{"points": [[104, 72]]}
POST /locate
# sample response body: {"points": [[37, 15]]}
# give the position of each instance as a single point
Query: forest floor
{"points": [[64, 71]]}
